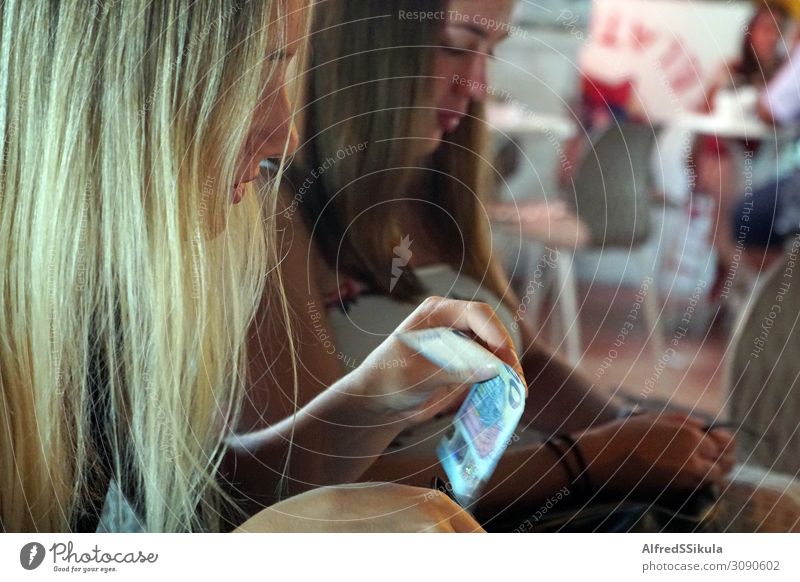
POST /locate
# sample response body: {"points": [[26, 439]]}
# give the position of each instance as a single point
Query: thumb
{"points": [[482, 373], [450, 387], [453, 369], [443, 400]]}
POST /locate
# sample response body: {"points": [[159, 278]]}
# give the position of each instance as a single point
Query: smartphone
{"points": [[485, 423]]}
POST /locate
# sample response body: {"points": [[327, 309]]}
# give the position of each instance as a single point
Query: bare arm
{"points": [[525, 477], [561, 397], [343, 430], [333, 440], [643, 456]]}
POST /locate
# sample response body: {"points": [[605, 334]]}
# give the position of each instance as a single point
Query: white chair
{"points": [[764, 374], [611, 196], [547, 235]]}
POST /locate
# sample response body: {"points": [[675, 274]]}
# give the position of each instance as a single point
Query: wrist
{"points": [[595, 449], [583, 481], [616, 410], [572, 459], [369, 403]]}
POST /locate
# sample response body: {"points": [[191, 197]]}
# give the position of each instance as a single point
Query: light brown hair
{"points": [[369, 74]]}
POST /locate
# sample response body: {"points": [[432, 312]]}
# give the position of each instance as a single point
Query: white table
{"points": [[514, 119], [726, 127]]}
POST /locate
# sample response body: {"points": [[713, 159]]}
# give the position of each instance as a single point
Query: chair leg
{"points": [[651, 303], [539, 288], [567, 300], [524, 272]]}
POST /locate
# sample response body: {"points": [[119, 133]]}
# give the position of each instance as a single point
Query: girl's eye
{"points": [[451, 50], [455, 50]]}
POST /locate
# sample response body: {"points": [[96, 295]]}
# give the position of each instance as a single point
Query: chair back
{"points": [[764, 372], [612, 186]]}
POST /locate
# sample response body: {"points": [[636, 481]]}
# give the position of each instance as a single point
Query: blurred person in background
{"points": [[601, 105], [718, 164], [765, 218], [762, 53]]}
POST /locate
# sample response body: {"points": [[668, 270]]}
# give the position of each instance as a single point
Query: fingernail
{"points": [[485, 372]]}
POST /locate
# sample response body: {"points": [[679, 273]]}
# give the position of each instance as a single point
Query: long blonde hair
{"points": [[369, 76], [123, 307]]}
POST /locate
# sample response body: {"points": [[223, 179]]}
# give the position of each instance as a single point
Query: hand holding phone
{"points": [[485, 423]]}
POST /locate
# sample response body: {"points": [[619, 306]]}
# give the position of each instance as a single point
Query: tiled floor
{"points": [[686, 371]]}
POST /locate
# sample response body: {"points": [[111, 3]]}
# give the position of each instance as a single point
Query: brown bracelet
{"points": [[561, 455], [583, 468]]}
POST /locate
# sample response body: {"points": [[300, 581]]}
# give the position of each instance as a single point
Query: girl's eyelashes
{"points": [[464, 52], [453, 47], [453, 50]]}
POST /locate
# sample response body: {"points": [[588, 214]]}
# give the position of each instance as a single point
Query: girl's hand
{"points": [[400, 385], [366, 507], [654, 453]]}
